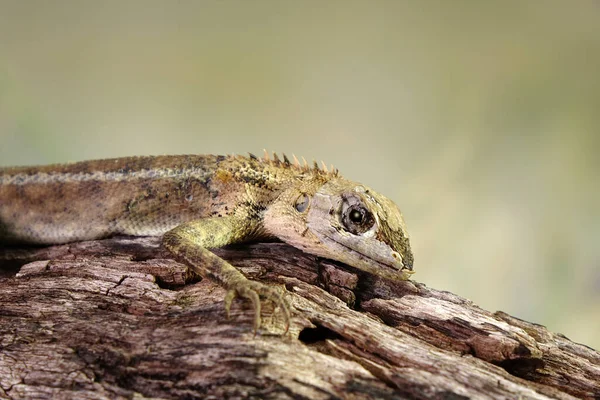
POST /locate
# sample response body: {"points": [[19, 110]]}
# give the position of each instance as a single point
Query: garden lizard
{"points": [[200, 202]]}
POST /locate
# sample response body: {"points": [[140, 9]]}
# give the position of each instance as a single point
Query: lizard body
{"points": [[199, 202]]}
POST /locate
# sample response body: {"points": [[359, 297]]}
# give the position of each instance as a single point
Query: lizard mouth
{"points": [[395, 271]]}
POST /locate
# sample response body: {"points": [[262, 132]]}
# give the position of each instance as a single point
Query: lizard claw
{"points": [[228, 300], [254, 291]]}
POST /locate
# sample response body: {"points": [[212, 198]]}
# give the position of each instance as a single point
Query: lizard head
{"points": [[344, 221]]}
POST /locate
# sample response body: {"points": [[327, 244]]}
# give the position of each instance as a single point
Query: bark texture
{"points": [[117, 319]]}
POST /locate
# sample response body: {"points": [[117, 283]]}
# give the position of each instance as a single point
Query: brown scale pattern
{"points": [[136, 195]]}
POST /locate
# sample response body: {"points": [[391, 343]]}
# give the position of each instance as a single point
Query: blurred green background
{"points": [[480, 119]]}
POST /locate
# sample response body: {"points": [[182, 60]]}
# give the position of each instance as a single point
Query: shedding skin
{"points": [[201, 202]]}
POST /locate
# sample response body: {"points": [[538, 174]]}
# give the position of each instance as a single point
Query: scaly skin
{"points": [[200, 202]]}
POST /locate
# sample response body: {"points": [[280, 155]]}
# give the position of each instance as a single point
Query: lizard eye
{"points": [[302, 203], [356, 216], [357, 219]]}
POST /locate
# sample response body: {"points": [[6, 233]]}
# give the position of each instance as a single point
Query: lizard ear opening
{"points": [[302, 203]]}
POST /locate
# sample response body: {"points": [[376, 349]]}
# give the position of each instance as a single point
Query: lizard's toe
{"points": [[277, 297], [231, 294], [255, 291]]}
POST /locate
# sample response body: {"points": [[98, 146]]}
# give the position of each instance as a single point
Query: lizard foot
{"points": [[254, 291]]}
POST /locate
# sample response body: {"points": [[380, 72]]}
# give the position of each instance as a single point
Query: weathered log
{"points": [[117, 318]]}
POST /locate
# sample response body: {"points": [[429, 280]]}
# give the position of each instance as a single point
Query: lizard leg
{"points": [[191, 242]]}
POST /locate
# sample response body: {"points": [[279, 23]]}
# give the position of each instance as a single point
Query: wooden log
{"points": [[117, 318]]}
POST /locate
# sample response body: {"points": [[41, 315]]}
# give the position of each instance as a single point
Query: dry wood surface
{"points": [[117, 318]]}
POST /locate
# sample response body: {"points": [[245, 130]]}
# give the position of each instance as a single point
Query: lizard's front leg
{"points": [[191, 241]]}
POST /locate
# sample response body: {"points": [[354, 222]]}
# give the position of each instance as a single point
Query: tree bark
{"points": [[117, 318]]}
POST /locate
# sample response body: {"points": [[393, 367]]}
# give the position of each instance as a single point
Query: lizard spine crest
{"points": [[303, 166]]}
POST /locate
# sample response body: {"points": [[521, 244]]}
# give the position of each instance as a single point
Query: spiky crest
{"points": [[284, 162]]}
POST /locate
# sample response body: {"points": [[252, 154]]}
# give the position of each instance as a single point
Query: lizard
{"points": [[201, 202]]}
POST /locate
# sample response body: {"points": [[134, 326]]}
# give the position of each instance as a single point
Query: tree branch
{"points": [[117, 318]]}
